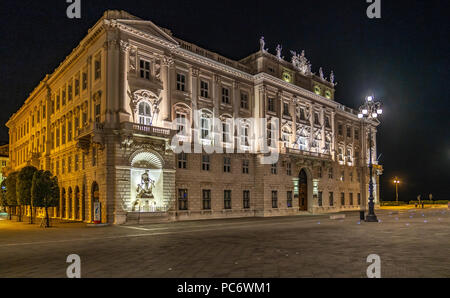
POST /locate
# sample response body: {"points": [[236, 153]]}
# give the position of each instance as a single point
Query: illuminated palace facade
{"points": [[105, 119]]}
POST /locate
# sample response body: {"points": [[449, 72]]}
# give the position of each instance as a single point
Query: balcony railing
{"points": [[147, 129], [287, 150]]}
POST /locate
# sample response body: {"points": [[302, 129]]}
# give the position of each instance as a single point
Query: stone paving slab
{"points": [[412, 243]]}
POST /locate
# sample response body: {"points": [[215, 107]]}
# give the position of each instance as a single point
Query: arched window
{"points": [[145, 115]]}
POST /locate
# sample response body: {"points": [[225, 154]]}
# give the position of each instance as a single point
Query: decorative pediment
{"points": [[149, 28]]}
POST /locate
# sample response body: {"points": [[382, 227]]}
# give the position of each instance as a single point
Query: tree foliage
{"points": [[44, 190], [11, 194], [3, 201], [24, 181]]}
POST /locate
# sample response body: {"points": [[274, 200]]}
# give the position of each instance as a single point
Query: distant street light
{"points": [[370, 111], [396, 182]]}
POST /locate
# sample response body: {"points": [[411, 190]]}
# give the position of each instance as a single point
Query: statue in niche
{"points": [[145, 188]]}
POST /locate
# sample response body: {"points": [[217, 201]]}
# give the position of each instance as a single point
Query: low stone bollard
{"points": [[337, 216]]}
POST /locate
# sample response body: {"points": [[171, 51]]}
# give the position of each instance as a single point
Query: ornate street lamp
{"points": [[369, 111]]}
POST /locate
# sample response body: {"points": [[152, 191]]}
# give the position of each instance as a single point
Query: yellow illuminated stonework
{"points": [[317, 90]]}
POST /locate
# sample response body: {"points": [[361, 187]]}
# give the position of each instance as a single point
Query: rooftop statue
{"points": [[321, 74], [279, 49], [262, 44]]}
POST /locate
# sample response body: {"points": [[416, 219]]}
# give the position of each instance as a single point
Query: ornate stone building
{"points": [[104, 122]]}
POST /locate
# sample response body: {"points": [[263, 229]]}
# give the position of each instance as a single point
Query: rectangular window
{"points": [[181, 82], [244, 100], [182, 199], [271, 104], [205, 126], [274, 199], [97, 113], [340, 130], [327, 122], [57, 137], [63, 134], [69, 131], [286, 109], [245, 166], [330, 173], [205, 162], [182, 161], [144, 67], [289, 169], [97, 68], [206, 199], [204, 89], [342, 199], [351, 199], [356, 134], [57, 168], [94, 156], [63, 99], [69, 164], [83, 161], [289, 199], [320, 199], [76, 162], [77, 85], [43, 112], [225, 95], [331, 199], [351, 176], [349, 132], [246, 199], [227, 199], [227, 165], [70, 91], [85, 81], [226, 133], [273, 168], [63, 165], [302, 114], [342, 176], [58, 100], [316, 119], [181, 124], [359, 199], [319, 172]]}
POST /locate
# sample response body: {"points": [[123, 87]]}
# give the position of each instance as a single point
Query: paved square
{"points": [[412, 243]]}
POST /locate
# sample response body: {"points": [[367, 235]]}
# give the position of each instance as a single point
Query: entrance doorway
{"points": [[303, 191]]}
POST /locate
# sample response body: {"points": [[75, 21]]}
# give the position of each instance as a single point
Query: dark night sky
{"points": [[403, 59]]}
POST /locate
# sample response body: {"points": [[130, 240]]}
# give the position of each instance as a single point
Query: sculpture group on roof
{"points": [[299, 62]]}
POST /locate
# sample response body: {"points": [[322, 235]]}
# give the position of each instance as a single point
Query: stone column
{"points": [[121, 105], [164, 113]]}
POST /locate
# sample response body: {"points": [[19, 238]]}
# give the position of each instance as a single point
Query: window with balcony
{"points": [[145, 114], [205, 125]]}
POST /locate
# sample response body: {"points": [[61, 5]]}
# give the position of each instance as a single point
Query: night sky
{"points": [[402, 58]]}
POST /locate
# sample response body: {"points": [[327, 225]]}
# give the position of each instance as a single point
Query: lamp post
{"points": [[396, 182], [370, 110]]}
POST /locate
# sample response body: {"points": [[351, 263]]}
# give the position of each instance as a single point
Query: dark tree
{"points": [[23, 188], [45, 192], [11, 193], [3, 200]]}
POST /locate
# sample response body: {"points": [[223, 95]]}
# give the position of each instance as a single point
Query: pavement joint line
{"points": [[134, 236]]}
